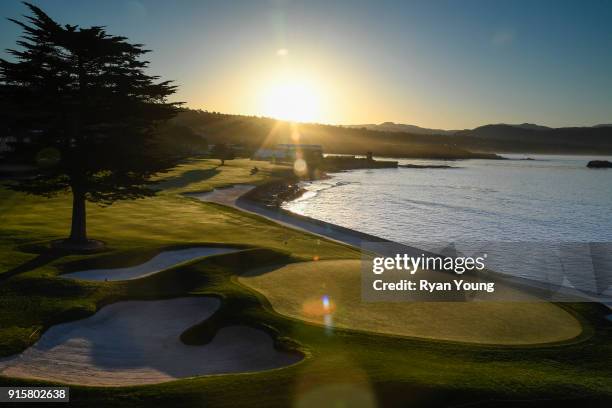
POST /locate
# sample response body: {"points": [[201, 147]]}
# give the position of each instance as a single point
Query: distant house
{"points": [[290, 152], [269, 154]]}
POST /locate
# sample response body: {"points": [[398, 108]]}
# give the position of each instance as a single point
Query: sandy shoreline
{"points": [[236, 196]]}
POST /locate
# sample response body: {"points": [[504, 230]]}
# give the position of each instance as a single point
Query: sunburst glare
{"points": [[291, 99]]}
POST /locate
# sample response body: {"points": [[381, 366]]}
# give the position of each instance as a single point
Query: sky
{"points": [[439, 64]]}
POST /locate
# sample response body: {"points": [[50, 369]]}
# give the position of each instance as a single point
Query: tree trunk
{"points": [[78, 230]]}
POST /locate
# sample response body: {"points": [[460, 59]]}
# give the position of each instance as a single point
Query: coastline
{"points": [[246, 198], [273, 194]]}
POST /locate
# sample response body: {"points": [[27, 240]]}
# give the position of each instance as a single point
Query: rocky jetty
{"points": [[274, 193], [599, 164], [341, 163]]}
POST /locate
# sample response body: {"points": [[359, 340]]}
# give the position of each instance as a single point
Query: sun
{"points": [[294, 100]]}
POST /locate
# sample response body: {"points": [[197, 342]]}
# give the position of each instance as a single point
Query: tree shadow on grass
{"points": [[188, 177], [42, 259], [44, 255]]}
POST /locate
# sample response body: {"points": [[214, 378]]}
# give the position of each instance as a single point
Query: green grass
{"points": [[296, 290], [162, 220], [203, 174], [391, 370], [135, 229]]}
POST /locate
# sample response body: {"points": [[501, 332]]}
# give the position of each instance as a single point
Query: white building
{"points": [[290, 151]]}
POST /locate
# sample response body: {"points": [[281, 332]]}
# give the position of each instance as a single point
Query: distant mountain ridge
{"points": [[418, 130], [531, 126], [256, 132], [513, 138], [538, 139], [401, 127]]}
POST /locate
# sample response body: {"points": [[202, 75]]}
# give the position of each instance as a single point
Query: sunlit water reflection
{"points": [[550, 199]]}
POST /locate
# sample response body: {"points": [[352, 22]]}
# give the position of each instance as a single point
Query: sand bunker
{"points": [[137, 342], [158, 263], [329, 293]]}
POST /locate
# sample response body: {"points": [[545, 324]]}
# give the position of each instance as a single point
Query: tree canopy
{"points": [[222, 152], [79, 103]]}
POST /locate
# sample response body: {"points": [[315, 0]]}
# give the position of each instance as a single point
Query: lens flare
{"points": [[325, 302], [319, 307], [300, 168]]}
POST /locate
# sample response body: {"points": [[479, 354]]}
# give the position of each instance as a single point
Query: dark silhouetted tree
{"points": [[222, 152], [79, 102]]}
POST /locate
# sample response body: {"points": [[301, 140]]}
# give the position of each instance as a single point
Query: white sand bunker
{"points": [[137, 342], [158, 263]]}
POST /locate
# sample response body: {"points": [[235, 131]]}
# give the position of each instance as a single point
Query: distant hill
{"points": [[400, 127], [537, 139], [516, 138], [530, 126], [254, 132]]}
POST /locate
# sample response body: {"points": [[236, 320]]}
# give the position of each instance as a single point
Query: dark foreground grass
{"points": [[387, 370]]}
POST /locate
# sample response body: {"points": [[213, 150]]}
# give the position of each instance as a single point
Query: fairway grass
{"points": [[134, 232], [297, 290], [200, 175], [381, 368]]}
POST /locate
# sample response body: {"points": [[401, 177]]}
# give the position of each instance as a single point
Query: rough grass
{"points": [[339, 364], [200, 175], [297, 290]]}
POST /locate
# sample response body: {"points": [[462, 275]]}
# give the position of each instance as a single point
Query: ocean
{"points": [[548, 200]]}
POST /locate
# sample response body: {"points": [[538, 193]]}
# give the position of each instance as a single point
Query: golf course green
{"points": [[431, 354], [298, 290]]}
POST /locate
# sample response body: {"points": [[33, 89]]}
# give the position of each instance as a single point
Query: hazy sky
{"points": [[445, 64]]}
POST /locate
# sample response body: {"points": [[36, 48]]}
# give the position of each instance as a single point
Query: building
{"points": [[290, 152]]}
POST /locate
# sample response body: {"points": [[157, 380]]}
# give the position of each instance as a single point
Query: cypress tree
{"points": [[79, 103]]}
